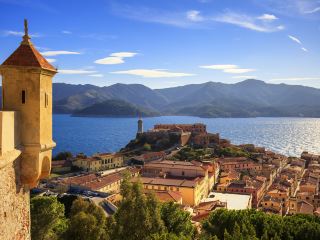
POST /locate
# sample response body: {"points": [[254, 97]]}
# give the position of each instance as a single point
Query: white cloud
{"points": [[154, 15], [153, 73], [294, 39], [51, 60], [290, 7], [294, 79], [20, 34], [267, 17], [76, 71], [317, 9], [249, 22], [123, 54], [66, 32], [96, 75], [115, 58], [244, 77], [195, 19], [109, 60], [304, 49], [228, 68], [56, 53], [194, 15], [238, 70], [219, 66]]}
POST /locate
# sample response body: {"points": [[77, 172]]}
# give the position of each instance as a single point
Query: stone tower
{"points": [[25, 134], [140, 125]]}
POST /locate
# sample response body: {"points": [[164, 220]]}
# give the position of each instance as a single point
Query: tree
{"points": [[141, 211], [67, 201], [227, 236], [259, 225], [63, 156], [176, 220], [237, 232], [47, 218], [87, 222], [147, 147]]}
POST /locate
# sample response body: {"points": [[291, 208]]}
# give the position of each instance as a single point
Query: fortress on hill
{"points": [[25, 134]]}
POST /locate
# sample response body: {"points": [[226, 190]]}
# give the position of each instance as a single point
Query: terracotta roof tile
{"points": [[26, 55]]}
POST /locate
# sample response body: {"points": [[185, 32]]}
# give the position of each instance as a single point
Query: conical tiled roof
{"points": [[26, 55]]}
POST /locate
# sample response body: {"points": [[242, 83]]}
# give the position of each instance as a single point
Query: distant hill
{"points": [[85, 97], [250, 98], [114, 108]]}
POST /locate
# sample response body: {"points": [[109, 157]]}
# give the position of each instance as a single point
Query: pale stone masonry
{"points": [[25, 135]]}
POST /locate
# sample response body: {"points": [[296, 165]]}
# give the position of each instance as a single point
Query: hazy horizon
{"points": [[187, 84]]}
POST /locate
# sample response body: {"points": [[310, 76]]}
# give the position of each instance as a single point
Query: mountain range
{"points": [[249, 98]]}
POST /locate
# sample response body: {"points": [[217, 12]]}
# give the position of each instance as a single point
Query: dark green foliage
{"points": [[189, 153], [67, 201], [138, 216], [176, 220], [114, 108], [87, 222], [63, 156], [231, 152], [154, 143], [257, 225], [47, 218]]}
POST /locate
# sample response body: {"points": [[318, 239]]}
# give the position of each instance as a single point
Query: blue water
{"points": [[289, 136]]}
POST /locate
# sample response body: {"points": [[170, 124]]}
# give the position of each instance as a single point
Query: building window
{"points": [[23, 96], [46, 100], [2, 99]]}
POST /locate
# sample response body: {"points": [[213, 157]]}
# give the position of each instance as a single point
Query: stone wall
{"points": [[15, 208]]}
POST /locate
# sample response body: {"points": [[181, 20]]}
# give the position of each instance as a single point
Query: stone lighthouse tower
{"points": [[140, 125]]}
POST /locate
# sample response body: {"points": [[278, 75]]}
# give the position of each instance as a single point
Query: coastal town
{"points": [[173, 181], [185, 164]]}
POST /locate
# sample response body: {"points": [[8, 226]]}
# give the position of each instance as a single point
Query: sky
{"points": [[167, 43]]}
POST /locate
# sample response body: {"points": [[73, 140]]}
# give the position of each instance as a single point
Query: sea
{"points": [[89, 135]]}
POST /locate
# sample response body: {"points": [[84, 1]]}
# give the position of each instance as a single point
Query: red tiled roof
{"points": [[200, 217], [96, 182], [61, 163], [167, 196], [26, 55], [169, 182]]}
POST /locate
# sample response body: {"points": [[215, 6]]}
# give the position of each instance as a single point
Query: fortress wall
{"points": [[14, 198], [15, 209]]}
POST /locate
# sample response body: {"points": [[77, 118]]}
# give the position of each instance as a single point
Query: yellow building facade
{"points": [[99, 162], [25, 134], [191, 191]]}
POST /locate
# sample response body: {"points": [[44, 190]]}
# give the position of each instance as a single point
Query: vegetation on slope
{"points": [[253, 224], [115, 108]]}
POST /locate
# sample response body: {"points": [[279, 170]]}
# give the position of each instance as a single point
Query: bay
{"points": [[289, 136]]}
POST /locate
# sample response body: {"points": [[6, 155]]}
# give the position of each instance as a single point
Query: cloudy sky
{"points": [[165, 43]]}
